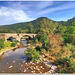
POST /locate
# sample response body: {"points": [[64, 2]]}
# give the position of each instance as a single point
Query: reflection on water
{"points": [[24, 42], [12, 59]]}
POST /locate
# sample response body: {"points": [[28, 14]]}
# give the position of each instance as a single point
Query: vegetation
{"points": [[57, 41], [13, 44], [7, 44], [23, 26], [1, 44], [30, 28], [32, 54], [6, 31]]}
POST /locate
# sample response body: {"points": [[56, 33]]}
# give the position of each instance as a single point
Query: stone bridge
{"points": [[16, 35]]}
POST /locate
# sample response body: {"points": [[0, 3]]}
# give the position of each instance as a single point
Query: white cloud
{"points": [[18, 5], [44, 4], [62, 7], [20, 11], [8, 16]]}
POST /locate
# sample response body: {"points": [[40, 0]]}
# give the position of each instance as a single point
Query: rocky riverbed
{"points": [[41, 67]]}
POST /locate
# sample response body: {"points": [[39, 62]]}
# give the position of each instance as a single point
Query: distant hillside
{"points": [[35, 24], [68, 22], [23, 25]]}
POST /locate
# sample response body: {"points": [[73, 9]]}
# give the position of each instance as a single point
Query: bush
{"points": [[36, 41], [70, 46], [72, 64], [32, 54], [59, 61], [7, 44], [66, 38], [1, 44], [66, 65], [72, 39], [13, 44], [38, 49]]}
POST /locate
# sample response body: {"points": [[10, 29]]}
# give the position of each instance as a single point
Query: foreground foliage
{"points": [[32, 54], [13, 44], [1, 44]]}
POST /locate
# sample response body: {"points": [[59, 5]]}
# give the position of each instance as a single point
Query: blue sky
{"points": [[24, 11]]}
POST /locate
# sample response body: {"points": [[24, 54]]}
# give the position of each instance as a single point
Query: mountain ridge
{"points": [[35, 23]]}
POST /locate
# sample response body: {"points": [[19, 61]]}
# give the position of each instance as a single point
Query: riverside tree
{"points": [[30, 28], [32, 54], [1, 44]]}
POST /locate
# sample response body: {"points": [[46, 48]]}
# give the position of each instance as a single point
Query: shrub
{"points": [[70, 47], [72, 64], [38, 49], [66, 37], [13, 44], [32, 54], [1, 44], [36, 41], [7, 44], [66, 65], [72, 38]]}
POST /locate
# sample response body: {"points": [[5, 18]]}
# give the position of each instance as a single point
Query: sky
{"points": [[24, 11]]}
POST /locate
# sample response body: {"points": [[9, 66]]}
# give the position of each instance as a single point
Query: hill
{"points": [[23, 25], [68, 22], [35, 24]]}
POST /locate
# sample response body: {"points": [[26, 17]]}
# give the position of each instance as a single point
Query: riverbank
{"points": [[8, 49], [41, 67], [53, 68], [46, 68]]}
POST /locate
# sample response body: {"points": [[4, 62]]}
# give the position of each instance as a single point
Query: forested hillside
{"points": [[35, 23], [23, 25], [33, 26], [68, 22]]}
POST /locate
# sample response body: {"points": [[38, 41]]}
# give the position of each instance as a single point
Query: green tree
{"points": [[66, 37], [1, 44], [32, 54], [72, 38], [73, 23], [13, 44], [23, 31], [47, 26], [19, 30], [45, 41], [30, 28], [61, 29]]}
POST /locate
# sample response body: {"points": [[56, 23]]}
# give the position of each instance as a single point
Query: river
{"points": [[12, 59]]}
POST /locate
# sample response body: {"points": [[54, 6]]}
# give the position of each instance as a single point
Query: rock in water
{"points": [[10, 66], [13, 61]]}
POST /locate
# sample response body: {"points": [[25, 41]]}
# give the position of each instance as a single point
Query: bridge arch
{"points": [[18, 37], [26, 37]]}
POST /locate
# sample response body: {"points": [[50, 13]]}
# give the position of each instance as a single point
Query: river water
{"points": [[12, 59]]}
